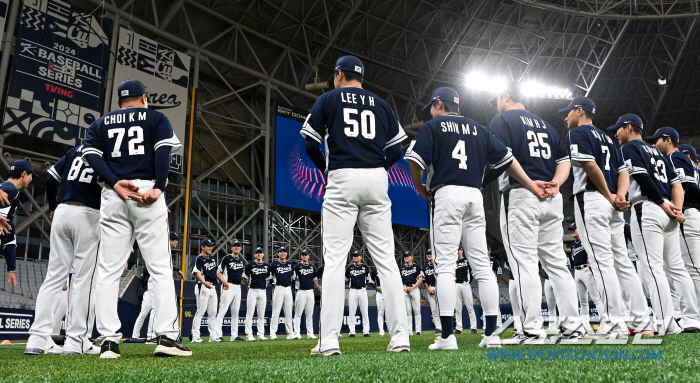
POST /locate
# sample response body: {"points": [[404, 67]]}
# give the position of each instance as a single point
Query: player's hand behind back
{"points": [[127, 190], [151, 196], [12, 278], [539, 188], [671, 211], [5, 226], [4, 201]]}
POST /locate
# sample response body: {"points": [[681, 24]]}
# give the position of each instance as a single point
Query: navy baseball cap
{"points": [[357, 254], [580, 102], [460, 247], [23, 166], [664, 132], [628, 118], [348, 64], [429, 251], [305, 252], [572, 227], [174, 236], [131, 88], [206, 242], [444, 94], [259, 250], [407, 254], [488, 247], [688, 149], [281, 249], [235, 243]]}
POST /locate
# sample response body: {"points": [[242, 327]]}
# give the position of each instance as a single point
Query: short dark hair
{"points": [[588, 114], [352, 76], [515, 96], [130, 99], [450, 107], [637, 129], [16, 174], [674, 143]]}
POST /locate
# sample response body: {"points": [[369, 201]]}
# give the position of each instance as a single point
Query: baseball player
{"points": [[690, 229], [601, 181], [229, 273], [514, 303], [21, 175], [204, 271], [583, 277], [304, 281], [463, 278], [358, 275], [455, 150], [690, 152], [531, 227], [255, 276], [363, 140], [281, 274], [130, 150], [498, 272], [429, 284], [412, 277], [654, 224], [379, 297], [74, 240]]}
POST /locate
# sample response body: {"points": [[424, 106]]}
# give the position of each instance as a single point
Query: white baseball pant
{"points": [[358, 297], [380, 310], [657, 242], [515, 304], [602, 228], [74, 249], [304, 304], [59, 312], [464, 294], [230, 299], [122, 222], [256, 300], [532, 231], [690, 246], [551, 304], [433, 310], [146, 307], [585, 286], [413, 303], [206, 302], [282, 297], [457, 215], [359, 195]]}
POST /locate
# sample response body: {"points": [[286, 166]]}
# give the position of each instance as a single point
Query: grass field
{"points": [[363, 360]]}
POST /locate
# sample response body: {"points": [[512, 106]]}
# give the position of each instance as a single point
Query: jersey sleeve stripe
{"points": [[502, 162], [562, 160], [92, 151], [638, 170], [52, 171], [413, 156], [583, 157], [621, 168], [307, 131], [173, 142], [673, 181], [396, 140]]}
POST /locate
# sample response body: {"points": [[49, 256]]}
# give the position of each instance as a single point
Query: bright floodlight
{"points": [[477, 80], [538, 90]]}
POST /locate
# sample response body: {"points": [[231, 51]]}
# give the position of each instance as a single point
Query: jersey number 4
{"points": [[136, 135], [460, 153], [366, 123], [75, 167], [538, 146]]}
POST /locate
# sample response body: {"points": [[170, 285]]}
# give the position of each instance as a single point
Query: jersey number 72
{"points": [[136, 134]]}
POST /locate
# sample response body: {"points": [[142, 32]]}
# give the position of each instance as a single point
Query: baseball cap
{"points": [[572, 227], [628, 118], [407, 254], [305, 252], [23, 166], [174, 236], [580, 102], [281, 249], [206, 242], [460, 247], [430, 251], [349, 64], [357, 254], [445, 94], [259, 250], [488, 247], [688, 149], [131, 88], [235, 243], [664, 132], [511, 87]]}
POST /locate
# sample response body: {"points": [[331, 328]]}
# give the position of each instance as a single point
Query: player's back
{"points": [[12, 192], [127, 140], [78, 180], [588, 143], [640, 157], [534, 143], [357, 126]]}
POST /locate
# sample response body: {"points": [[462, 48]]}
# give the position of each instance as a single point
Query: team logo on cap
{"points": [[358, 69], [456, 100], [12, 168], [125, 92], [593, 111]]}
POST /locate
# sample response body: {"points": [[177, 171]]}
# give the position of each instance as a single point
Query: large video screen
{"points": [[299, 184]]}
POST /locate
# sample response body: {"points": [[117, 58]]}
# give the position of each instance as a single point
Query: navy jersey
{"points": [[232, 269], [495, 266], [455, 151], [410, 274], [462, 271], [78, 180], [533, 142], [686, 171], [281, 273], [588, 143], [13, 197], [256, 274], [375, 278], [357, 126], [578, 254], [641, 157], [127, 140], [358, 275], [207, 267], [304, 276], [429, 272]]}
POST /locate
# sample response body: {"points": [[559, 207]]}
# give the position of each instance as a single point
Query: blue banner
{"points": [[57, 83]]}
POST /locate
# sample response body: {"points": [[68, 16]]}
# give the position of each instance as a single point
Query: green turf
{"points": [[363, 359]]}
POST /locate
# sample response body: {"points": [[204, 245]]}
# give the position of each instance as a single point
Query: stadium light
{"points": [[495, 85], [539, 90], [480, 81]]}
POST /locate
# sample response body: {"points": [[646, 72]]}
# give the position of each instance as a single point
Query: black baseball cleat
{"points": [[239, 339], [418, 333], [169, 347], [367, 335], [109, 350], [458, 332], [473, 331], [691, 330], [437, 332], [351, 335]]}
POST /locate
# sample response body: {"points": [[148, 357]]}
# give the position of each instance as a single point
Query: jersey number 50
{"points": [[366, 123], [136, 134]]}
